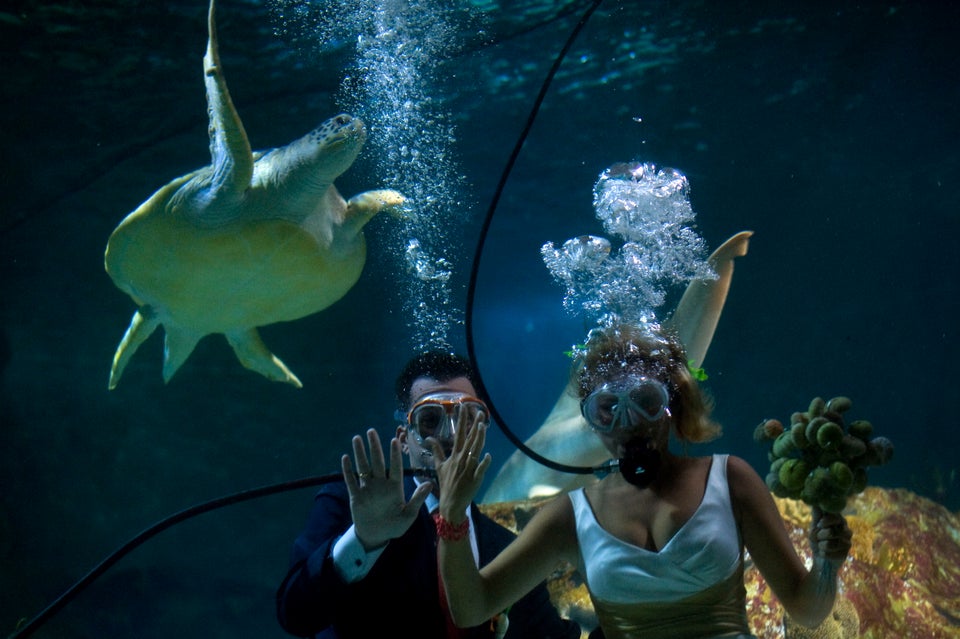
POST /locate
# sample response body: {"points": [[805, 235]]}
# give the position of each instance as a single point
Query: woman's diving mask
{"points": [[627, 405]]}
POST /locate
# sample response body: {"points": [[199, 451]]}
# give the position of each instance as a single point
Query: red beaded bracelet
{"points": [[446, 530]]}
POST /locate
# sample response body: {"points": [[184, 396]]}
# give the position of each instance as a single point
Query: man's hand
{"points": [[377, 503]]}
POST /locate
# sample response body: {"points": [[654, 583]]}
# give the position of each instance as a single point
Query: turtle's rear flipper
{"points": [[253, 354], [144, 322]]}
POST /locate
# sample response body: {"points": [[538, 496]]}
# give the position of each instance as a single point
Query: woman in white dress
{"points": [[660, 544]]}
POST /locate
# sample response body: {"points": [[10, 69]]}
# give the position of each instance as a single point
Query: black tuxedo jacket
{"points": [[400, 595]]}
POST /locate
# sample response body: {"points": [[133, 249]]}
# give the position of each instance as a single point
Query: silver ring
{"points": [[364, 475]]}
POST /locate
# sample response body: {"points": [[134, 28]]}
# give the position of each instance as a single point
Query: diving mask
{"points": [[626, 403], [437, 415]]}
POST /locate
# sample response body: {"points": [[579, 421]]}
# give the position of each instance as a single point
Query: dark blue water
{"points": [[831, 132]]}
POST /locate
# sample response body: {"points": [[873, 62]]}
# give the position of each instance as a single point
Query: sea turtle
{"points": [[565, 437], [252, 239]]}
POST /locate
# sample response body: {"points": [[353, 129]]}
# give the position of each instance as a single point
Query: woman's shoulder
{"points": [[556, 515], [552, 530], [744, 482], [560, 507], [739, 469]]}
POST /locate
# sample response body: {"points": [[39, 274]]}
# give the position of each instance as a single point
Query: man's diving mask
{"points": [[625, 404], [437, 415]]}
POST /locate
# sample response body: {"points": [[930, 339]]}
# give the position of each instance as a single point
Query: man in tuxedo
{"points": [[366, 564]]}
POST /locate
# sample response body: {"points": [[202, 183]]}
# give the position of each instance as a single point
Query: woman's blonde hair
{"points": [[628, 350]]}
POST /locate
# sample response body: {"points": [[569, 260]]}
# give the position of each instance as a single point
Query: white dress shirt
{"points": [[353, 562]]}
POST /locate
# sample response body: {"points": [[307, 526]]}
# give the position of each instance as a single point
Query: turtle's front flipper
{"points": [[363, 206], [229, 146], [253, 354], [144, 322]]}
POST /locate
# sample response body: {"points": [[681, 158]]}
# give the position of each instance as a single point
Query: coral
{"points": [[842, 623], [818, 459]]}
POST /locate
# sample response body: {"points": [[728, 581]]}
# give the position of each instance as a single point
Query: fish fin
{"points": [[698, 312], [564, 432], [563, 437]]}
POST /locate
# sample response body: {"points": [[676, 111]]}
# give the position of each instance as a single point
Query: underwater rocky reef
{"points": [[901, 580]]}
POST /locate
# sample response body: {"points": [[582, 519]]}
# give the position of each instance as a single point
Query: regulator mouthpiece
{"points": [[640, 465]]}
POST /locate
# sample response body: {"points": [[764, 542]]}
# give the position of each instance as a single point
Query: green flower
{"points": [[698, 373]]}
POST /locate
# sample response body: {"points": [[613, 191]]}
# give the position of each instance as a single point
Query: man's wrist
{"points": [[351, 558], [372, 546]]}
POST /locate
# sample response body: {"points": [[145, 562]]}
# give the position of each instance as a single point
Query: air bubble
{"points": [[424, 267], [649, 209], [394, 89]]}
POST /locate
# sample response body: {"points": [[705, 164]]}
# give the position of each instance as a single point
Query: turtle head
{"points": [[335, 144], [313, 162]]}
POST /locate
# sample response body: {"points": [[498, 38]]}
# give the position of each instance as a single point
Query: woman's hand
{"points": [[461, 474], [378, 506], [830, 537]]}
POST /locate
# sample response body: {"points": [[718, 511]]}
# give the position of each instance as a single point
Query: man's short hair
{"points": [[438, 365]]}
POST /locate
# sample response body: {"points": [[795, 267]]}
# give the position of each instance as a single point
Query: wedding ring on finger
{"points": [[364, 475]]}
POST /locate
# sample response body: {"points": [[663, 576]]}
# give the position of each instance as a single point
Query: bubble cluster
{"points": [[393, 88], [424, 267], [318, 28], [650, 210]]}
